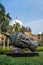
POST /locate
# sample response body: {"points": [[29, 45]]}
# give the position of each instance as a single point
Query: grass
{"points": [[6, 60]]}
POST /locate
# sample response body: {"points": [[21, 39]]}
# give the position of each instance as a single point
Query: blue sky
{"points": [[30, 12]]}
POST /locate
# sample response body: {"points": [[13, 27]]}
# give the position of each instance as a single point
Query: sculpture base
{"points": [[17, 52], [29, 54]]}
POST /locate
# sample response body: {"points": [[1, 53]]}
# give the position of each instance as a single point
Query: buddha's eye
{"points": [[27, 39]]}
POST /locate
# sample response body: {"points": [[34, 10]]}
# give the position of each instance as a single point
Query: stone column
{"points": [[7, 42], [3, 41]]}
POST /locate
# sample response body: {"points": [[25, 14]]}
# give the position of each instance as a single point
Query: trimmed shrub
{"points": [[4, 50], [40, 48]]}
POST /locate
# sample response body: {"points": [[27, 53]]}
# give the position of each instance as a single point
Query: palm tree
{"points": [[4, 18]]}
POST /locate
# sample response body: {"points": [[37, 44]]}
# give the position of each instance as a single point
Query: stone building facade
{"points": [[3, 41], [29, 33]]}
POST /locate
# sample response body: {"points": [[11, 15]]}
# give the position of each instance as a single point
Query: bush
{"points": [[40, 48], [4, 50]]}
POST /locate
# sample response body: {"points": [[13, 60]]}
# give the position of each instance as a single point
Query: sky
{"points": [[30, 12]]}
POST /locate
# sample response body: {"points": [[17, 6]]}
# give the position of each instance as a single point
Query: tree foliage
{"points": [[42, 39], [16, 26], [22, 29], [4, 18], [19, 28]]}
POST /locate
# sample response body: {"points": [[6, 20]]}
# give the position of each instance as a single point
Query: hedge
{"points": [[39, 48], [6, 49]]}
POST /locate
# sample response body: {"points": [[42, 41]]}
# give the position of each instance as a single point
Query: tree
{"points": [[28, 29], [4, 18], [42, 39], [22, 29], [16, 26]]}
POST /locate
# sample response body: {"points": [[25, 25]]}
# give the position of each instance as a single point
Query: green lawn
{"points": [[5, 60]]}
